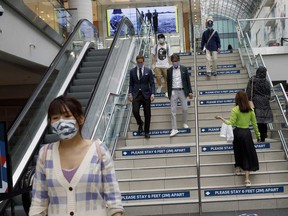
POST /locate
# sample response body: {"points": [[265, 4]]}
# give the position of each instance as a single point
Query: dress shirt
{"points": [[177, 80]]}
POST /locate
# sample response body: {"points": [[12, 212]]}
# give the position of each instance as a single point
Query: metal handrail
{"points": [[196, 127], [283, 141]]}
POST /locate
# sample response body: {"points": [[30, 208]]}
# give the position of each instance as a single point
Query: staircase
{"points": [[158, 176]]}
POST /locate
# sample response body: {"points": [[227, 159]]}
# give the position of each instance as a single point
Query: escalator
{"points": [[79, 70]]}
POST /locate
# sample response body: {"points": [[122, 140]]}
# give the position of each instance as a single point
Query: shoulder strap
{"points": [[44, 154], [211, 36]]}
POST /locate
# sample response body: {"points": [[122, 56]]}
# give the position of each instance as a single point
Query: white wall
{"points": [[18, 35], [276, 61]]}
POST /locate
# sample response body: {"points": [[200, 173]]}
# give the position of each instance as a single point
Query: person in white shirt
{"points": [[179, 87], [160, 62]]}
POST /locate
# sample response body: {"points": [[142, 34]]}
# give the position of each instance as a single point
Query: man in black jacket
{"points": [[141, 92], [179, 87]]}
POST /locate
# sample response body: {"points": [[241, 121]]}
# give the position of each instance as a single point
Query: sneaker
{"points": [[247, 183], [166, 94], [159, 89], [185, 125], [208, 74], [174, 132]]}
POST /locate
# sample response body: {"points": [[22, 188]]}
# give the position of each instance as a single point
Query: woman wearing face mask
{"points": [[179, 87], [74, 176]]}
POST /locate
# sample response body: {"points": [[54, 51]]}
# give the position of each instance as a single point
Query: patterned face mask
{"points": [[66, 129]]}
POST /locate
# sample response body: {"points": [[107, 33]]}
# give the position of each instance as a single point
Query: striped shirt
{"points": [[89, 191]]}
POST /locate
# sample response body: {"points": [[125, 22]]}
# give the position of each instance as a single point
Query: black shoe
{"points": [[140, 129], [147, 135], [214, 73]]}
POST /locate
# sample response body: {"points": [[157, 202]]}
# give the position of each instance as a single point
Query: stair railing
{"points": [[197, 124], [254, 62]]}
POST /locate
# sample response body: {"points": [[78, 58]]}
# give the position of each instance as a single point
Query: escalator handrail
{"points": [[124, 21], [40, 86]]}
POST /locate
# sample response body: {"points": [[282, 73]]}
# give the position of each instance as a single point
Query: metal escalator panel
{"points": [[27, 130]]}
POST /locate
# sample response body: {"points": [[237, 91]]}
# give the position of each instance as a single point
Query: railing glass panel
{"points": [[25, 129]]}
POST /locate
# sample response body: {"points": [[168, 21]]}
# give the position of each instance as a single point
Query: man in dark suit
{"points": [[179, 87], [141, 92]]}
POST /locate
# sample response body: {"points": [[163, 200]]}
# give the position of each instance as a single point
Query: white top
{"points": [[162, 55], [176, 81]]}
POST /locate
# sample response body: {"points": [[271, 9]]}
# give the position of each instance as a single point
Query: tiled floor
{"points": [[270, 212]]}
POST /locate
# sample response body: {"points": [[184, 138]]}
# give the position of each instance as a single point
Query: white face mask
{"points": [[161, 40], [66, 129]]}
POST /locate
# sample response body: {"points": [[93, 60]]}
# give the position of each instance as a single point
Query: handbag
{"points": [[251, 101], [226, 131]]}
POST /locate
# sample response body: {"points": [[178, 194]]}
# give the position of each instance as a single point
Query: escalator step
{"points": [[94, 58], [84, 81], [88, 75], [86, 88], [97, 68], [98, 52], [92, 64], [80, 95], [89, 69]]}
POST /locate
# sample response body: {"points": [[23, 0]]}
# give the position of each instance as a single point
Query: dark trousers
{"points": [[146, 103], [262, 127]]}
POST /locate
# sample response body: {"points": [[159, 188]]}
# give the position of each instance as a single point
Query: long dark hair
{"points": [[61, 104], [241, 99]]}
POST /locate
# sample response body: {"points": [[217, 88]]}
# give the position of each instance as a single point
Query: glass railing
{"points": [[263, 32], [28, 128], [246, 35], [50, 17], [279, 105], [115, 116]]}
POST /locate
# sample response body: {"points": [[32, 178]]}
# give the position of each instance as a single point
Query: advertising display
{"points": [[167, 21]]}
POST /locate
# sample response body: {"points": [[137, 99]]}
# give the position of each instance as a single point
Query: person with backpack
{"points": [[74, 176], [211, 44], [161, 53]]}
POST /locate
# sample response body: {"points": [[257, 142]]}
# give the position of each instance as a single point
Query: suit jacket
{"points": [[146, 83], [185, 81]]}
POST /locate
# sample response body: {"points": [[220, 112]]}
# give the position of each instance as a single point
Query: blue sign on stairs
{"points": [[163, 132], [218, 91], [217, 101], [158, 195], [156, 151], [244, 191]]}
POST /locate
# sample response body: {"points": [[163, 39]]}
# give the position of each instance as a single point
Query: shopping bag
{"points": [[223, 130], [227, 132]]}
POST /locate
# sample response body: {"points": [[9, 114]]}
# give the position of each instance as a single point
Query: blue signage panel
{"points": [[163, 132], [162, 94], [210, 129], [204, 73], [219, 66], [218, 101], [159, 195], [223, 91], [244, 191], [229, 147], [166, 104], [185, 54], [156, 151]]}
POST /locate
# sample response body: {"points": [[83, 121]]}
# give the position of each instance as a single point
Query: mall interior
{"points": [[86, 48]]}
